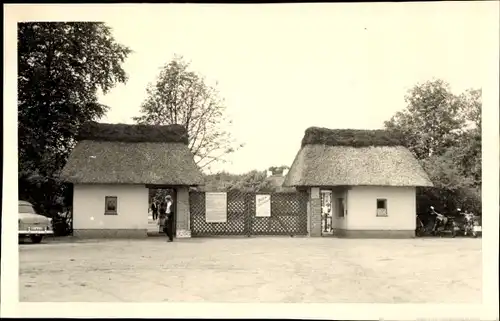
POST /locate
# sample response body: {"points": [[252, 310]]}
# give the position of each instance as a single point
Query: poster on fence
{"points": [[216, 207], [263, 205]]}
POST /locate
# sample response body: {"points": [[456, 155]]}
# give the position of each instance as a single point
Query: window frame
{"points": [[106, 200], [380, 213]]}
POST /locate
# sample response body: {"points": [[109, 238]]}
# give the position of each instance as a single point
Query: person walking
{"points": [[169, 221]]}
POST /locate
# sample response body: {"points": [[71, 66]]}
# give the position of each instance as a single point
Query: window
{"points": [[111, 205], [381, 207], [25, 208], [340, 207]]}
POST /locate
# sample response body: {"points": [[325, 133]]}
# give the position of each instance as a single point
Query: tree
{"points": [[253, 181], [432, 121], [61, 68], [452, 187], [443, 130], [181, 96]]}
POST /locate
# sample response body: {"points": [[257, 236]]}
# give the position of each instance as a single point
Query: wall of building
{"points": [[362, 209], [314, 212], [183, 228], [89, 205]]}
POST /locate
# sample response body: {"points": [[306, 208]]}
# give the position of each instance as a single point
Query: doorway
{"points": [[326, 212], [157, 195]]}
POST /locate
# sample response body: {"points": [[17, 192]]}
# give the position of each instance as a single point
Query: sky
{"points": [[284, 68]]}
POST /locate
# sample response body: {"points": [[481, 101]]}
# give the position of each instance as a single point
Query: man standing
{"points": [[154, 210], [169, 222]]}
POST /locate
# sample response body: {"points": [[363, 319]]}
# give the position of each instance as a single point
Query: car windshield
{"points": [[26, 209]]}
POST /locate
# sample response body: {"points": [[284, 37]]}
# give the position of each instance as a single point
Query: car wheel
{"points": [[36, 238]]}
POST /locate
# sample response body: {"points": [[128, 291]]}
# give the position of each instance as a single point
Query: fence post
{"points": [[248, 214]]}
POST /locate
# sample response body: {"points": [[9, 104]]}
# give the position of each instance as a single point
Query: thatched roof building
{"points": [[276, 180], [354, 157], [132, 154]]}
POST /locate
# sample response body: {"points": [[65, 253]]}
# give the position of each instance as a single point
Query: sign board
{"points": [[216, 207], [263, 205]]}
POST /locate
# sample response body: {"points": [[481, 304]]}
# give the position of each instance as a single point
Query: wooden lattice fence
{"points": [[288, 215]]}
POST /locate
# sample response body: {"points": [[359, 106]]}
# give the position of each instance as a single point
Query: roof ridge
{"points": [[132, 133], [352, 137]]}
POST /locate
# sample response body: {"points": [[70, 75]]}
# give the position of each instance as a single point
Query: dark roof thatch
{"points": [[351, 137], [354, 157], [133, 133]]}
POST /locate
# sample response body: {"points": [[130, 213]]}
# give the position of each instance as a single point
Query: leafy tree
{"points": [[61, 68], [253, 181], [181, 96], [443, 130], [221, 181], [432, 121], [471, 107]]}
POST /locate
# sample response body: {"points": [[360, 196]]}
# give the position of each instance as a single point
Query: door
{"points": [[157, 194], [326, 212]]}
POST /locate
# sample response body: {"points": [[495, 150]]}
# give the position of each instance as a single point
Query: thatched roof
{"points": [[351, 137], [133, 133], [354, 157], [276, 181], [129, 154]]}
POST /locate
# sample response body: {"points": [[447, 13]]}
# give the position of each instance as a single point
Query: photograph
{"points": [[298, 153]]}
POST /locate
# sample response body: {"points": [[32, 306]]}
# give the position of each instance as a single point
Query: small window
{"points": [[111, 205], [340, 207], [381, 207]]}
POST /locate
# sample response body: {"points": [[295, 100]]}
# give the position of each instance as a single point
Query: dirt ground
{"points": [[297, 270]]}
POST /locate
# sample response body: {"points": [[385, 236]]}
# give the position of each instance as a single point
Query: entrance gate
{"points": [[288, 215]]}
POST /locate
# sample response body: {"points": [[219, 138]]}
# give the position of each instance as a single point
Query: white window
{"points": [[381, 207]]}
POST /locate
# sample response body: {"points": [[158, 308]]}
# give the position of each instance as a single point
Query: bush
{"points": [[447, 201], [62, 224]]}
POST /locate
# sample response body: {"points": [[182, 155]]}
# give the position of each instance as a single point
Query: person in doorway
{"points": [[162, 215], [154, 210], [169, 222]]}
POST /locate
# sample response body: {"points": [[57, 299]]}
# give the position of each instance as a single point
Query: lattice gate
{"points": [[288, 215]]}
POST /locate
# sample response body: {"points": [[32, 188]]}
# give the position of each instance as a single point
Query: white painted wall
{"points": [[362, 208], [88, 207]]}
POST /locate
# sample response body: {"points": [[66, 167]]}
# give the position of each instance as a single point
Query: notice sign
{"points": [[263, 205], [215, 207]]}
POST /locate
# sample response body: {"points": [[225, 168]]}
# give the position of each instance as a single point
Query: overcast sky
{"points": [[283, 68]]}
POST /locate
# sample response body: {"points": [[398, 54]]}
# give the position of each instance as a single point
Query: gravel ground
{"points": [[273, 270]]}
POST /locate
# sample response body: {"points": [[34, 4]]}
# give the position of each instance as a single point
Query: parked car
{"points": [[31, 224]]}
